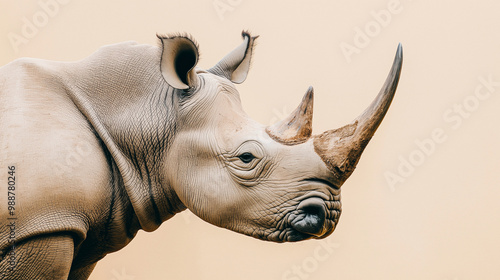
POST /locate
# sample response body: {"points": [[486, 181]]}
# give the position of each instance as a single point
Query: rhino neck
{"points": [[123, 95]]}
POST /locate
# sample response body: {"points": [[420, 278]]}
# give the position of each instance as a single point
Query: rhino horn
{"points": [[297, 127], [235, 65], [340, 149]]}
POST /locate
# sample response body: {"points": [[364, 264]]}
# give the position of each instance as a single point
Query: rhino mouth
{"points": [[315, 216], [311, 217]]}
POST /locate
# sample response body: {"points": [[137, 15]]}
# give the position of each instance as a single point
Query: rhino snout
{"points": [[311, 218]]}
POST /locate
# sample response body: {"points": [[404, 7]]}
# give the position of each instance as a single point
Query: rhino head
{"points": [[277, 183]]}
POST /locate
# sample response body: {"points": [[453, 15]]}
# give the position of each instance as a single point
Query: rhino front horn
{"points": [[297, 127], [341, 148]]}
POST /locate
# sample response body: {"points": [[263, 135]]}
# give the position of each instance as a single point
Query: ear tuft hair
{"points": [[236, 64], [178, 35], [247, 33]]}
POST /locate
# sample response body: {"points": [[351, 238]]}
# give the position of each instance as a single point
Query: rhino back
{"points": [[65, 176], [53, 150]]}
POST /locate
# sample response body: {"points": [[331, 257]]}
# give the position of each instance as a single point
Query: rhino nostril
{"points": [[313, 210], [311, 216]]}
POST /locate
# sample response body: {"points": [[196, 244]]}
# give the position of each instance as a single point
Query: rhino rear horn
{"points": [[178, 59], [297, 127], [235, 65], [340, 149]]}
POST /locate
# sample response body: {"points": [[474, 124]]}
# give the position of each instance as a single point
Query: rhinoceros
{"points": [[95, 150]]}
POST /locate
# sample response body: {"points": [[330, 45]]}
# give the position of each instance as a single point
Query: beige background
{"points": [[439, 222]]}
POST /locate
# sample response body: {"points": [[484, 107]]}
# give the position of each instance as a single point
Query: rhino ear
{"points": [[178, 59], [235, 65]]}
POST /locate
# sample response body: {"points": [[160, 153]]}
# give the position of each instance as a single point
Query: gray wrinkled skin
{"points": [[128, 137]]}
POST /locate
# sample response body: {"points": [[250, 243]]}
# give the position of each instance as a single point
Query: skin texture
{"points": [[128, 137]]}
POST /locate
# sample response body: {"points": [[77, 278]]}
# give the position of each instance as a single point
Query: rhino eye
{"points": [[246, 157]]}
